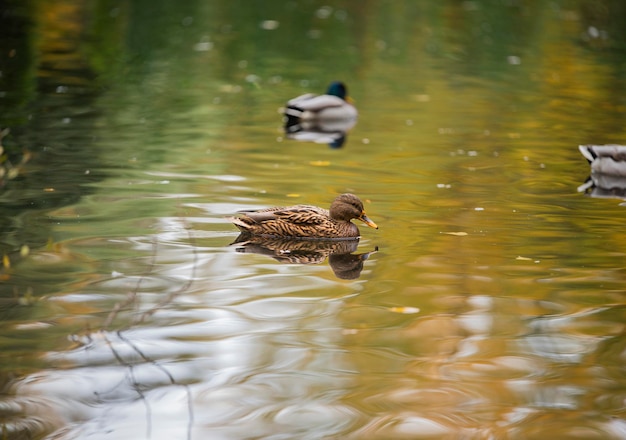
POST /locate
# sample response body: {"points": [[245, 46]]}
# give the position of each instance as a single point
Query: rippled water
{"points": [[488, 305]]}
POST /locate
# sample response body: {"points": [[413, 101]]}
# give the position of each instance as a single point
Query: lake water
{"points": [[489, 304]]}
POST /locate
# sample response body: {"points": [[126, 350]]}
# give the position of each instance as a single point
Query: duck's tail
{"points": [[293, 119], [587, 152], [293, 111], [241, 225]]}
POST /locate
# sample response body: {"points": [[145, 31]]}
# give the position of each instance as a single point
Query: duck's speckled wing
{"points": [[300, 214]]}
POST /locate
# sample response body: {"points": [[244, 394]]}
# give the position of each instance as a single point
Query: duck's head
{"points": [[348, 206], [337, 88]]}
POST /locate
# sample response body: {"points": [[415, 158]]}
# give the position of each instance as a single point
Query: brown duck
{"points": [[305, 221]]}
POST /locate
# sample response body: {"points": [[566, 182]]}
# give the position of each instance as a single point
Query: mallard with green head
{"points": [[321, 118], [307, 222], [333, 106]]}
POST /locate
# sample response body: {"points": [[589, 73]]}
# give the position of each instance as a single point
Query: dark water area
{"points": [[489, 304]]}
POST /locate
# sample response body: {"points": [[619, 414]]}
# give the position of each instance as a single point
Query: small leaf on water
{"points": [[405, 310], [519, 257], [293, 195], [5, 261], [458, 234], [319, 163]]}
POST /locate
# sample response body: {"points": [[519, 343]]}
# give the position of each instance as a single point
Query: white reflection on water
{"points": [[238, 352], [225, 383]]}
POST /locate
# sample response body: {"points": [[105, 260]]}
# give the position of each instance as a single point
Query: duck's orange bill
{"points": [[365, 219]]}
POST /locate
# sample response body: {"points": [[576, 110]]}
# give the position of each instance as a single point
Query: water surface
{"points": [[494, 305]]}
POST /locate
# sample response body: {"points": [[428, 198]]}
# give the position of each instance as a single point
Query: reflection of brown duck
{"points": [[348, 266], [344, 263], [305, 221]]}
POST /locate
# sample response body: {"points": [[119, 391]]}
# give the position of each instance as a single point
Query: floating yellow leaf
{"points": [[24, 250], [519, 257], [319, 163], [405, 310], [458, 234], [5, 261], [293, 195]]}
